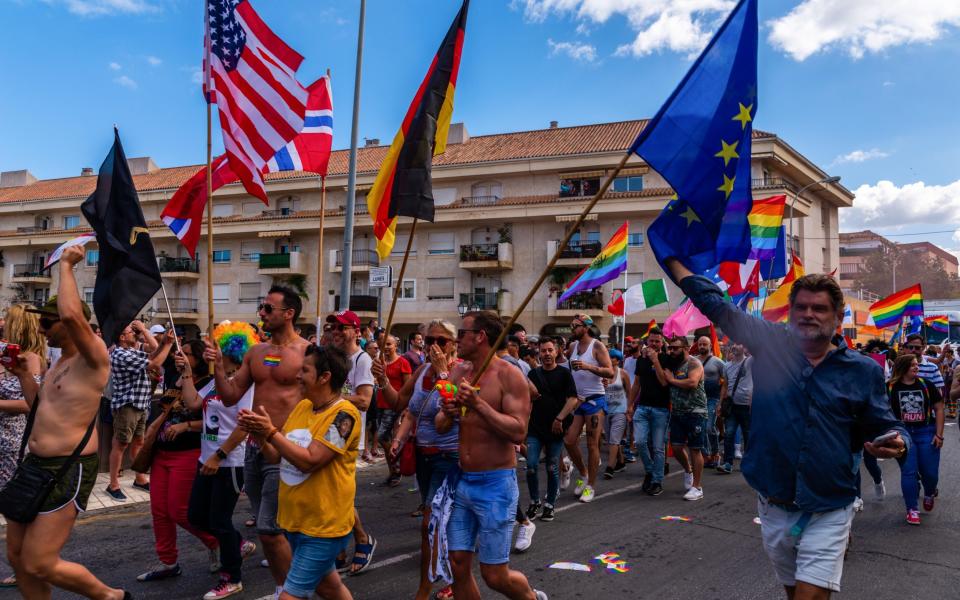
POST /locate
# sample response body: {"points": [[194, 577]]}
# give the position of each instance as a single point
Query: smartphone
{"points": [[884, 438]]}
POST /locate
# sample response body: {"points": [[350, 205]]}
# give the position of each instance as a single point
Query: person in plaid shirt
{"points": [[132, 394]]}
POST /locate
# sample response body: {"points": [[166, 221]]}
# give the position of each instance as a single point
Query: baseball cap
{"points": [[49, 309], [345, 317], [628, 339], [155, 329], [614, 353]]}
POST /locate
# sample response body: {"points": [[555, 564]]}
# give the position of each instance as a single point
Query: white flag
{"points": [[77, 241]]}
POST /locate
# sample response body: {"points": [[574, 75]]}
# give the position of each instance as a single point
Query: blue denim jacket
{"points": [[807, 422]]}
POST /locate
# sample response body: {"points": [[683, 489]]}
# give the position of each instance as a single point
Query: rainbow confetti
{"points": [[619, 566], [676, 518], [606, 558], [271, 360]]}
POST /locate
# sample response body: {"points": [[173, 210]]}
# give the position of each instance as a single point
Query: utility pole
{"points": [[347, 258]]}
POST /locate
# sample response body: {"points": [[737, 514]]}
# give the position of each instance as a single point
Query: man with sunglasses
{"points": [[273, 367], [688, 421], [650, 394], [929, 369]]}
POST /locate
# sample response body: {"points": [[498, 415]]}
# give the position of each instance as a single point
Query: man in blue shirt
{"points": [[815, 405]]}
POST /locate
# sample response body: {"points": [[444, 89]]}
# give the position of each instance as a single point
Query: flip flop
{"points": [[9, 582], [366, 550]]}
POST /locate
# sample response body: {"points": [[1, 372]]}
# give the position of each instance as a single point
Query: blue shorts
{"points": [[313, 559], [484, 507], [592, 405], [688, 429]]}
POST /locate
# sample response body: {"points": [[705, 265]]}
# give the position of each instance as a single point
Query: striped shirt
{"points": [[931, 372]]}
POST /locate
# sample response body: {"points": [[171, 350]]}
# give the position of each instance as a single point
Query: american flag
{"points": [[251, 77]]}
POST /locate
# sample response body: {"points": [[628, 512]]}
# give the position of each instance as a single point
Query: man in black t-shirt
{"points": [[554, 395], [650, 394]]}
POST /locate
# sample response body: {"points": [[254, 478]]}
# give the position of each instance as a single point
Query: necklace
{"points": [[318, 409]]}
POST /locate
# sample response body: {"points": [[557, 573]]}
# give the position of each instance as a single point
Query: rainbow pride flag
{"points": [[938, 323], [776, 307], [765, 219], [608, 265], [889, 311]]}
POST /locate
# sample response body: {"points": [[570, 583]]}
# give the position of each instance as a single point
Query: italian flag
{"points": [[640, 297]]}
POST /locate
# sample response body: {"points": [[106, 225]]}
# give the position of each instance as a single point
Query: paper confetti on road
{"points": [[756, 520], [619, 566], [676, 518], [570, 566]]}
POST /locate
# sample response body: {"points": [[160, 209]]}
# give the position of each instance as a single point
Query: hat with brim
{"points": [[49, 309], [345, 317]]}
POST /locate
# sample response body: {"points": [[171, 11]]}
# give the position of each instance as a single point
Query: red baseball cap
{"points": [[345, 317]]}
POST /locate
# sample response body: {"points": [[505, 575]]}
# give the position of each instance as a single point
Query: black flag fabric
{"points": [[127, 275]]}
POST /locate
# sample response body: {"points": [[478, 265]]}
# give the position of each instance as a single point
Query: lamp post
{"points": [[462, 309], [824, 181]]}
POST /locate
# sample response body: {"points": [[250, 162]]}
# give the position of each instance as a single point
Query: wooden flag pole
{"points": [[176, 340], [323, 208], [546, 271], [396, 291]]}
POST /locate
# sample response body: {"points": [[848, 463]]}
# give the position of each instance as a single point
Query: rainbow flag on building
{"points": [[938, 323], [891, 310], [608, 265], [765, 218]]}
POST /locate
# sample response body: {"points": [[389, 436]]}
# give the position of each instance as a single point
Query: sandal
{"points": [[444, 594], [9, 582], [366, 551], [341, 564]]}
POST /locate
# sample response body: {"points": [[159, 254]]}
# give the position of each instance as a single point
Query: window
{"points": [[593, 236], [408, 291], [249, 209], [795, 246], [221, 256], [628, 184], [635, 240], [440, 288], [579, 187], [222, 210], [221, 293], [93, 257], [441, 243], [71, 221], [250, 292], [486, 190], [88, 295], [400, 246], [250, 251], [40, 295]]}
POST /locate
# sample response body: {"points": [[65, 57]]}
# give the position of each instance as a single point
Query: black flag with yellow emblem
{"points": [[127, 274]]}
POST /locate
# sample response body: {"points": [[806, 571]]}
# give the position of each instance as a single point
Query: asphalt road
{"points": [[717, 554]]}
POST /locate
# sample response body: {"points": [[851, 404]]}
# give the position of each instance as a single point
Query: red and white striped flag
{"points": [[251, 77]]}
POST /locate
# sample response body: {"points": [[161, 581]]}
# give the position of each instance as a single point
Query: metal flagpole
{"points": [[323, 208], [210, 316], [176, 340], [352, 174], [623, 333]]}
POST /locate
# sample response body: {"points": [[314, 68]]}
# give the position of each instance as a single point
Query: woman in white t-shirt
{"points": [[219, 479]]}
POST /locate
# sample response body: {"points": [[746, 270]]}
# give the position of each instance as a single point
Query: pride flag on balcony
{"points": [[890, 311], [608, 265]]}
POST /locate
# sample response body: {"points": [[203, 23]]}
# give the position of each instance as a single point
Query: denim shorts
{"points": [[484, 507], [313, 559], [688, 429], [388, 418], [431, 470], [592, 405]]}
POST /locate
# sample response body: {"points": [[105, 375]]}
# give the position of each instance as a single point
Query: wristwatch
{"points": [[221, 454]]}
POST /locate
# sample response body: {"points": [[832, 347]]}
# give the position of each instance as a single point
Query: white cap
{"points": [[157, 329]]}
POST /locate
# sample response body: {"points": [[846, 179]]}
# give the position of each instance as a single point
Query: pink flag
{"points": [[686, 319]]}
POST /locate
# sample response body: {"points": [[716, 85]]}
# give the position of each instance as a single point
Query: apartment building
{"points": [[503, 203], [857, 246]]}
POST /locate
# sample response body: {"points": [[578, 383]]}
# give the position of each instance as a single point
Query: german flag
{"points": [[403, 186]]}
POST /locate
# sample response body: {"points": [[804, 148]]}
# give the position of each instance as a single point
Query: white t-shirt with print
{"points": [[219, 421], [360, 374]]}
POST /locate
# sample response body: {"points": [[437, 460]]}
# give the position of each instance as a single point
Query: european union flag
{"points": [[699, 142]]}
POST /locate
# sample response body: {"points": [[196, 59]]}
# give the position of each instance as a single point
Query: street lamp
{"points": [[824, 181], [462, 309]]}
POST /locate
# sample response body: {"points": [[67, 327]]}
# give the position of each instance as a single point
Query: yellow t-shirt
{"points": [[320, 504]]}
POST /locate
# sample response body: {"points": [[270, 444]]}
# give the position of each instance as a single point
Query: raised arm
{"points": [[230, 389], [89, 345]]}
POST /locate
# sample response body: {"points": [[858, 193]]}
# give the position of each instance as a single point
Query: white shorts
{"points": [[817, 556]]}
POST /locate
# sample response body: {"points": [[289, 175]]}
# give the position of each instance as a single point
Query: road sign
{"points": [[381, 277]]}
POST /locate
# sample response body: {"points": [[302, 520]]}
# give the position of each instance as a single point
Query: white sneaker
{"points": [[581, 485], [566, 476], [540, 595], [587, 495], [694, 493], [525, 536], [858, 505], [880, 490], [688, 480], [737, 453]]}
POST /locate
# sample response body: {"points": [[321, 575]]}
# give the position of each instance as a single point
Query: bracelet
{"points": [[272, 433], [939, 437]]}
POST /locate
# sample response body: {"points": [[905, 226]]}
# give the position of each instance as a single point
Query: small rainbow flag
{"points": [[271, 360], [776, 307], [676, 518], [618, 567], [938, 323], [891, 310], [608, 265], [765, 218]]}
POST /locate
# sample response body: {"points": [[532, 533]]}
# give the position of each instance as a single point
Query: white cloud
{"points": [[196, 75], [859, 156], [93, 8], [861, 26], [583, 29], [888, 205], [154, 61], [888, 84], [575, 50], [115, 66], [124, 81], [676, 25]]}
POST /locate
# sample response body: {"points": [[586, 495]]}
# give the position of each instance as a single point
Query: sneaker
{"points": [[117, 494], [737, 453], [214, 556], [694, 493], [525, 537], [687, 480], [265, 563], [565, 476], [655, 489], [913, 517], [522, 458], [621, 466], [547, 514], [928, 503], [858, 505], [581, 485], [223, 590], [533, 509], [540, 595], [629, 457], [646, 482], [142, 486], [247, 548], [879, 490], [725, 468], [587, 495], [608, 473], [161, 572]]}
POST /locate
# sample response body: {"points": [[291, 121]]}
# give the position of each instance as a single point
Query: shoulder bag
{"points": [[407, 462], [726, 406]]}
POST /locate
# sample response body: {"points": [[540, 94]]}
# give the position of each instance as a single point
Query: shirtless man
{"points": [[493, 418], [69, 400], [274, 367]]}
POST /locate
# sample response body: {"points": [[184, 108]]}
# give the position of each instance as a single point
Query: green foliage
{"points": [[877, 275]]}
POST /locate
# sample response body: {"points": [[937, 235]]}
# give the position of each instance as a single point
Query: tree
{"points": [[877, 275]]}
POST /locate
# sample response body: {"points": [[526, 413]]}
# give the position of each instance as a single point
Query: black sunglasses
{"points": [[438, 340], [48, 322], [269, 308], [463, 332], [913, 347], [674, 348]]}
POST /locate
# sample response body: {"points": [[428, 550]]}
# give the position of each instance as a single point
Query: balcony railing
{"points": [[358, 302], [478, 252], [178, 305], [581, 250], [30, 270], [275, 261], [31, 229], [772, 182], [479, 200], [485, 301], [583, 301], [169, 264], [278, 213], [361, 257]]}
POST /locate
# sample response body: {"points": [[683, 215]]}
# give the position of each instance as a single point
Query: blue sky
{"points": [[868, 90]]}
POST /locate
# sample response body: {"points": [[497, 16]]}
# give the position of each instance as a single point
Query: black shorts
{"points": [[75, 486]]}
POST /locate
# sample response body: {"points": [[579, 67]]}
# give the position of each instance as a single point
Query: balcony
{"points": [[31, 273], [501, 302], [363, 259], [178, 268], [32, 229], [363, 305], [278, 213], [184, 309], [773, 183], [584, 302], [479, 200], [575, 254], [486, 257], [292, 263]]}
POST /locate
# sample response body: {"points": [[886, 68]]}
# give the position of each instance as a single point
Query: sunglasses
{"points": [[48, 322], [576, 324], [463, 332], [913, 347], [439, 340], [340, 327], [674, 348], [269, 308]]}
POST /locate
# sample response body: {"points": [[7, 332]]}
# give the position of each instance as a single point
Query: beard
{"points": [[823, 332]]}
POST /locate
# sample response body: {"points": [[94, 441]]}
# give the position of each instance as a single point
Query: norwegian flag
{"points": [[309, 151], [251, 77]]}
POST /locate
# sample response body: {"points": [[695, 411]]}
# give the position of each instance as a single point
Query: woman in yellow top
{"points": [[317, 447]]}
